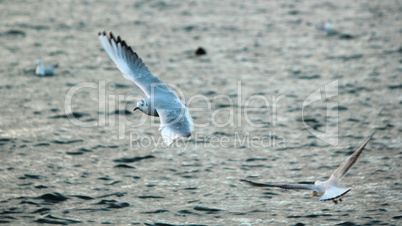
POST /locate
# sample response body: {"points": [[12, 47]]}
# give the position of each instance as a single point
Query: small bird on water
{"points": [[327, 26], [43, 70]]}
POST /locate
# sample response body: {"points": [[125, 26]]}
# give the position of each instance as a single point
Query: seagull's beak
{"points": [[135, 108]]}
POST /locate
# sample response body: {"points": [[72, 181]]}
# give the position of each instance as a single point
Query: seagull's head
{"points": [[142, 105], [316, 193]]}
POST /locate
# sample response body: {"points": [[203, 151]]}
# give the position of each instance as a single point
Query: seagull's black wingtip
{"points": [[110, 36], [100, 33]]}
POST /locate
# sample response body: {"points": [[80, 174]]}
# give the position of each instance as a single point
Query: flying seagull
{"points": [[42, 70], [161, 102], [329, 189]]}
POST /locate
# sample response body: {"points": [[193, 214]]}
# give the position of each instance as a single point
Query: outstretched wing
{"points": [[340, 172], [175, 117], [132, 67], [283, 186]]}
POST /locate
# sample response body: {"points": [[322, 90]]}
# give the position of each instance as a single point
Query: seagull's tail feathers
{"points": [[175, 123], [168, 135], [334, 193]]}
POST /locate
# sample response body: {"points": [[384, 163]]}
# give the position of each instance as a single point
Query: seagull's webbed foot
{"points": [[335, 201]]}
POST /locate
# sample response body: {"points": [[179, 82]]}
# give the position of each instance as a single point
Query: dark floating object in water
{"points": [[200, 51], [346, 36]]}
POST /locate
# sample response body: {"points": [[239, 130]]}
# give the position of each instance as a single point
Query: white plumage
{"points": [[43, 70], [330, 188], [174, 116]]}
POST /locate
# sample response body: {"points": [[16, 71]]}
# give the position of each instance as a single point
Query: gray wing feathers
{"points": [[340, 172], [131, 65], [175, 117]]}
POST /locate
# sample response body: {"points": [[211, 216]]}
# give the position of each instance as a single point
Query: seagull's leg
{"points": [[340, 200], [335, 201]]}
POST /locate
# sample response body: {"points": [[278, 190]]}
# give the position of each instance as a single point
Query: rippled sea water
{"points": [[73, 152]]}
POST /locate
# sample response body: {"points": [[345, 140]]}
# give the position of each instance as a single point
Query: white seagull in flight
{"points": [[329, 189], [161, 102]]}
